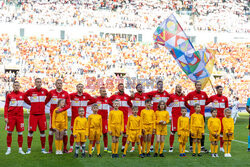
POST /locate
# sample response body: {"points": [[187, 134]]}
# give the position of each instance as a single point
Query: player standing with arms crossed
{"points": [[13, 116], [53, 97], [37, 116]]}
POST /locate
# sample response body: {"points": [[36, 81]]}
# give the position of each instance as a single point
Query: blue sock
{"points": [[248, 141]]}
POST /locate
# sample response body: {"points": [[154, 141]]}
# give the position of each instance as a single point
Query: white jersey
{"points": [[235, 106]]}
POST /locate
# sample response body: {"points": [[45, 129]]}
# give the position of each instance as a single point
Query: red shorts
{"points": [[39, 120], [104, 126], [221, 124], [174, 123], [15, 122]]}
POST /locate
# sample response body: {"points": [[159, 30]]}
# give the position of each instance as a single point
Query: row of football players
{"points": [[38, 97]]}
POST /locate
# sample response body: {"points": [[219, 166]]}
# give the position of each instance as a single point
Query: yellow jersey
{"points": [[60, 117], [161, 116], [148, 117], [80, 124], [214, 125], [134, 123], [95, 121], [228, 125], [197, 121], [116, 119], [183, 125]]}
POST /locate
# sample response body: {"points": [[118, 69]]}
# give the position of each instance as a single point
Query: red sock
{"points": [[65, 142], [152, 140], [105, 140], [43, 140], [29, 140], [50, 142], [133, 144], [9, 139], [93, 145], [124, 140], [221, 141], [141, 140], [20, 140], [71, 140], [171, 140]]}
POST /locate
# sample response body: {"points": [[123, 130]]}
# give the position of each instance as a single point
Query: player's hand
{"points": [[179, 135], [110, 133], [153, 131], [192, 134], [139, 136], [230, 134], [65, 129], [74, 136], [6, 120], [202, 134], [86, 137], [59, 110], [143, 131]]}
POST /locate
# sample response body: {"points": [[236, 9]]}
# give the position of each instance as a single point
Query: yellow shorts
{"points": [[161, 129], [184, 137], [148, 129], [197, 133], [80, 136], [60, 126], [225, 137], [95, 134], [133, 136], [115, 131], [212, 138]]}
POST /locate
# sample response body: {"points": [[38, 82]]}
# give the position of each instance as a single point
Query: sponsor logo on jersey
{"points": [[222, 99], [106, 101], [42, 92], [63, 95], [21, 97]]}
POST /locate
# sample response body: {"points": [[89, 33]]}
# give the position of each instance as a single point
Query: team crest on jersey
{"points": [[182, 98], [63, 95], [42, 92], [164, 94], [125, 98], [222, 99], [144, 97], [76, 99], [21, 96], [202, 96], [83, 97], [106, 101]]}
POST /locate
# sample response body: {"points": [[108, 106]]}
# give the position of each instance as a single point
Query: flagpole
{"points": [[212, 85]]}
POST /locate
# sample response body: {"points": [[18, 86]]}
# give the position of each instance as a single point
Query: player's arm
{"points": [[154, 120], [89, 122], [191, 124], [203, 125], [101, 125], [26, 99], [6, 108], [87, 128], [140, 127], [110, 100], [179, 126], [226, 103], [128, 125], [129, 102], [67, 106], [54, 119], [74, 127], [209, 126], [207, 99], [92, 100], [66, 119], [232, 127], [167, 118], [187, 98], [48, 98], [219, 127], [170, 100], [224, 125], [109, 121], [122, 128]]}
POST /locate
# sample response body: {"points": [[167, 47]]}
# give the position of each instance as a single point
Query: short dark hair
{"points": [[120, 84], [218, 87], [147, 101], [197, 83], [159, 82], [183, 108], [196, 104], [138, 85], [16, 82], [37, 79], [134, 108], [213, 109], [158, 106]]}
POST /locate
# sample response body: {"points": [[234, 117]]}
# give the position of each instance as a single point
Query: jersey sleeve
{"points": [[191, 124], [53, 119], [48, 98], [101, 123], [129, 102], [67, 106], [170, 100], [186, 101], [74, 127], [154, 121], [128, 125], [167, 117], [109, 121], [6, 106], [87, 127], [226, 102], [203, 125], [232, 126], [110, 100], [209, 126], [122, 128], [225, 130], [26, 97], [179, 126], [92, 100]]}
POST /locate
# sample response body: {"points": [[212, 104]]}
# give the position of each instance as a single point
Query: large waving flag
{"points": [[197, 65]]}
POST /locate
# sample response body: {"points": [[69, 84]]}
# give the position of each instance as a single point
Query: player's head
{"points": [[59, 84], [116, 104], [161, 106], [160, 85], [197, 108], [121, 87], [38, 83], [148, 103], [103, 92], [227, 112], [213, 112], [81, 111], [183, 111], [198, 86], [236, 98], [94, 108], [178, 89], [16, 86], [134, 110], [139, 88], [79, 88], [61, 103], [219, 89]]}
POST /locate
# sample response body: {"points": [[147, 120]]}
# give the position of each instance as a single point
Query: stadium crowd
{"points": [[211, 15]]}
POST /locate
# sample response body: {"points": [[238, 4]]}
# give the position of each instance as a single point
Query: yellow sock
{"points": [[229, 147], [180, 147], [199, 147], [225, 147], [113, 148], [156, 147], [183, 147], [194, 147], [90, 148], [148, 146], [216, 148], [125, 149], [98, 148], [162, 147], [212, 148], [116, 147], [139, 149], [143, 147], [57, 145]]}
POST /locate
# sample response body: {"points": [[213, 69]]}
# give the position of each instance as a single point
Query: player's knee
{"points": [[20, 133]]}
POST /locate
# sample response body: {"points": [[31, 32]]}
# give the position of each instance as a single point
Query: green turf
{"points": [[239, 155]]}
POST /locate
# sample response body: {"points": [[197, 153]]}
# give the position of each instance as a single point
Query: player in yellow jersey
{"points": [[214, 127], [148, 126], [183, 131], [80, 131], [197, 128], [134, 128], [95, 130], [60, 125], [162, 119], [115, 127], [228, 131]]}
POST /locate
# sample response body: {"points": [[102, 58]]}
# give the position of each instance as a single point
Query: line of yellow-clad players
{"points": [[145, 126]]}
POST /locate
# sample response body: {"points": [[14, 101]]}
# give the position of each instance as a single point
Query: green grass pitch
{"points": [[240, 156]]}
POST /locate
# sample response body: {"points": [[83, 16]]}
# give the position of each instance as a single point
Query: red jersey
{"points": [[103, 106], [14, 104], [219, 102], [125, 103], [139, 101], [54, 96], [36, 101], [196, 97], [176, 102], [157, 96], [80, 101]]}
